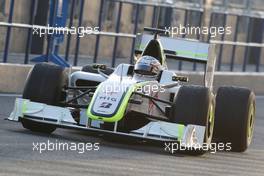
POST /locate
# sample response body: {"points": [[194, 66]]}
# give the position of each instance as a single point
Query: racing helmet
{"points": [[147, 65]]}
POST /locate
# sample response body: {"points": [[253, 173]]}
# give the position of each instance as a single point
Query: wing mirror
{"points": [[180, 78]]}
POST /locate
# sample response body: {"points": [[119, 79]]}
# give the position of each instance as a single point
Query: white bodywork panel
{"points": [[80, 75], [107, 101], [193, 135], [24, 107], [112, 90]]}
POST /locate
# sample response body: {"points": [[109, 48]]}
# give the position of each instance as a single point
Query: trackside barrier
{"points": [[19, 72], [194, 12]]}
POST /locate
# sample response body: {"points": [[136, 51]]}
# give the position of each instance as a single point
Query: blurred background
{"points": [[246, 53]]}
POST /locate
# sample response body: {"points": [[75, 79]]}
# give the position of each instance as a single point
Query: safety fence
{"points": [[241, 51]]}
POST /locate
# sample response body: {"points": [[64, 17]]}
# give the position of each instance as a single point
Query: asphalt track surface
{"points": [[18, 158]]}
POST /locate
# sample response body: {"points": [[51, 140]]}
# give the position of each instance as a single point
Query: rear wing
{"points": [[176, 48], [185, 50]]}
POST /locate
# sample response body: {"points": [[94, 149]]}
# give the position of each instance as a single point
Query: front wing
{"points": [[61, 117]]}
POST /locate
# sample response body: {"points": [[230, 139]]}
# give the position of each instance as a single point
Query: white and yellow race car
{"points": [[145, 101]]}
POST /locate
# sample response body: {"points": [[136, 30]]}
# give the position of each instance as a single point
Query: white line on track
{"points": [[10, 95]]}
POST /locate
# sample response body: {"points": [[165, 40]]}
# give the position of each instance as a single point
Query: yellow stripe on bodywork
{"points": [[24, 107], [180, 131]]}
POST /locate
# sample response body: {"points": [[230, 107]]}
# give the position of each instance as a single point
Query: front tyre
{"points": [[234, 117], [44, 85], [195, 105]]}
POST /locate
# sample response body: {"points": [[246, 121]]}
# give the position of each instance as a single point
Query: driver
{"points": [[147, 65]]}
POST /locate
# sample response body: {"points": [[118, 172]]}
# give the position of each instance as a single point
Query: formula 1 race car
{"points": [[145, 101]]}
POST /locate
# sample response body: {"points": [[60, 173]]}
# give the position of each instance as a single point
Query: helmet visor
{"points": [[144, 69]]}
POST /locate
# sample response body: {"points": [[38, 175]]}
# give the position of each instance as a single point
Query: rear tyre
{"points": [[235, 117], [91, 69], [44, 85], [195, 105]]}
